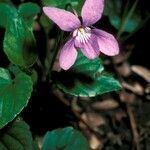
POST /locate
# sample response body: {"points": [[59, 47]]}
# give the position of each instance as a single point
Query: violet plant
{"points": [[89, 40], [26, 64]]}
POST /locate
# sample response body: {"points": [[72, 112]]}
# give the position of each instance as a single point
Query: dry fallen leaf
{"points": [[141, 71], [127, 97], [124, 69], [95, 143], [105, 104], [94, 120], [135, 88]]}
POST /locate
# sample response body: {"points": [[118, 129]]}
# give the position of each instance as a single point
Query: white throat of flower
{"points": [[82, 34]]}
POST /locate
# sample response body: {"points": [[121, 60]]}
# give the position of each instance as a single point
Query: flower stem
{"points": [[54, 54]]}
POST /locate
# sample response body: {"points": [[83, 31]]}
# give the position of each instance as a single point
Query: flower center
{"points": [[82, 34]]}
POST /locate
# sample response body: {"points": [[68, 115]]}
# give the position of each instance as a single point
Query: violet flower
{"points": [[89, 40]]}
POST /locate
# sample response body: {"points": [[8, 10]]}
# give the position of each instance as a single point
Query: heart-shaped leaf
{"points": [[28, 11], [6, 12], [86, 79], [16, 136], [14, 94], [19, 43], [65, 139]]}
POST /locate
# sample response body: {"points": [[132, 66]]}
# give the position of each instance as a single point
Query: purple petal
{"points": [[92, 11], [68, 55], [90, 48], [107, 43], [66, 20]]}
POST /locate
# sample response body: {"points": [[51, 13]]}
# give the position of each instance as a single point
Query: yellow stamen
{"points": [[82, 34]]}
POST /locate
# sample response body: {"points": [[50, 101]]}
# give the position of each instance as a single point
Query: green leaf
{"points": [[130, 26], [16, 136], [75, 4], [7, 12], [85, 86], [86, 66], [19, 43], [46, 23], [15, 91], [28, 11], [86, 79], [79, 7], [60, 3], [65, 139], [113, 9]]}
